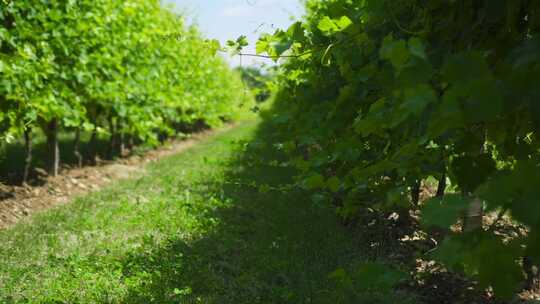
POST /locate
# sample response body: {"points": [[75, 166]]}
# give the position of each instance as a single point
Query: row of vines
{"points": [[379, 97], [126, 69]]}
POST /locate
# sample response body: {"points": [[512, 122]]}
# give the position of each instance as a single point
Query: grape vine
{"points": [[107, 66], [378, 96]]}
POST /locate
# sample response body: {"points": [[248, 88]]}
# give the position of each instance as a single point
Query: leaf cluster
{"points": [[89, 63], [379, 95]]}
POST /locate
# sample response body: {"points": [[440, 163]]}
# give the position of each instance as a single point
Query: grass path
{"points": [[189, 231]]}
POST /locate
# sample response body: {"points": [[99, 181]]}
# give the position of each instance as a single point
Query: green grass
{"points": [[190, 231]]}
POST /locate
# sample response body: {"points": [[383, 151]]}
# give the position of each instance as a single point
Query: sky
{"points": [[228, 19]]}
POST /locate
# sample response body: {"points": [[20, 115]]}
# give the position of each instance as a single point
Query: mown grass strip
{"points": [[186, 231]]}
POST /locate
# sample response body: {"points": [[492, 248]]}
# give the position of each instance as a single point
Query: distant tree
{"points": [[257, 81]]}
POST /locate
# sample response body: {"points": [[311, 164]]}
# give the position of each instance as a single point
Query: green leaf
{"points": [[366, 73], [333, 184], [416, 47], [516, 189], [183, 292], [264, 188], [296, 32], [485, 100], [314, 181], [341, 277], [343, 23], [327, 25], [338, 274], [237, 45], [417, 99], [415, 72], [464, 67], [379, 277], [242, 41], [214, 46], [481, 166], [443, 212], [280, 43], [484, 257], [395, 197], [374, 121], [330, 26], [263, 44], [394, 51]]}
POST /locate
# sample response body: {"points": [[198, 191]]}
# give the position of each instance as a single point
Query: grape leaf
{"points": [[379, 277], [443, 211]]}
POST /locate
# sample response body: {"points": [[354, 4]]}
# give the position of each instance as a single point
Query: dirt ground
{"points": [[19, 202]]}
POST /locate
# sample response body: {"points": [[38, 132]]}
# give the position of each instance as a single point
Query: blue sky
{"points": [[228, 19]]}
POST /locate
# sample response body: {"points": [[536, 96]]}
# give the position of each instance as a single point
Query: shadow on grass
{"points": [[267, 247]]}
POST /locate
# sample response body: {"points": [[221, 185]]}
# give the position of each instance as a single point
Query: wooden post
{"points": [[76, 147], [53, 149], [441, 187], [415, 192], [121, 138], [474, 214], [93, 145], [28, 154], [112, 139]]}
